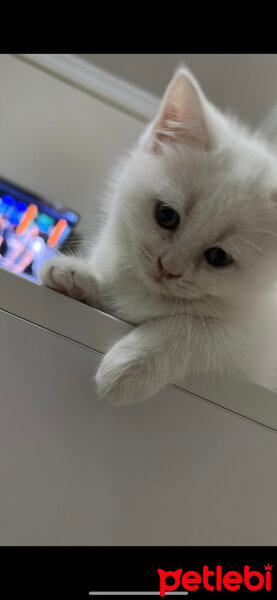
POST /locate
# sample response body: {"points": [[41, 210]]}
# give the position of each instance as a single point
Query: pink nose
{"points": [[168, 269]]}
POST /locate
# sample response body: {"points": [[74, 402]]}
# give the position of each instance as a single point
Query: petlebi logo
{"points": [[215, 580]]}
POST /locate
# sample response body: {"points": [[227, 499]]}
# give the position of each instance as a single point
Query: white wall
{"points": [[57, 140], [244, 83]]}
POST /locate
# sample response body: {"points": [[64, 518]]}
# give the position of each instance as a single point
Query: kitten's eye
{"points": [[218, 258], [166, 216]]}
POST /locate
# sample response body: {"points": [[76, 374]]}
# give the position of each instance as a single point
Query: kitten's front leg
{"points": [[71, 276], [143, 362], [127, 372], [156, 354]]}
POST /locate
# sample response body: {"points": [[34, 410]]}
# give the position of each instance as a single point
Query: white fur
{"points": [[222, 181]]}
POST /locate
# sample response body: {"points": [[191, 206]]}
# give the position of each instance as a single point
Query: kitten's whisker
{"points": [[251, 244], [203, 321], [267, 231], [210, 305]]}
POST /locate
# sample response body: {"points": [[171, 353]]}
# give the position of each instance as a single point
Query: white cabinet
{"points": [[75, 470]]}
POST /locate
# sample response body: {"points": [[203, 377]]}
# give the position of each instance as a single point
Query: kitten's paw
{"points": [[121, 379], [71, 276]]}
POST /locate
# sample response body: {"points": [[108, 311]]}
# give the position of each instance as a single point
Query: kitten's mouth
{"points": [[169, 287], [164, 282]]}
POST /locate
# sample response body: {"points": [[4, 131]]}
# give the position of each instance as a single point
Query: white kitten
{"points": [[188, 252]]}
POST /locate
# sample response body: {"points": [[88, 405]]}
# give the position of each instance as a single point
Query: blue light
{"points": [[6, 205], [70, 216], [15, 217], [21, 206], [8, 200]]}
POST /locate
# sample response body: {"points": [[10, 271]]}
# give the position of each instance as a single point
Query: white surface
{"points": [[75, 470], [98, 331]]}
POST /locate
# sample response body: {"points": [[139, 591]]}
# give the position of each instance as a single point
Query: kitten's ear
{"points": [[181, 117]]}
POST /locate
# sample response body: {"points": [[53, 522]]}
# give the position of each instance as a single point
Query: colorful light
{"points": [[56, 233], [27, 219]]}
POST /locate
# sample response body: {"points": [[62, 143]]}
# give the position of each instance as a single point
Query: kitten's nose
{"points": [[168, 268]]}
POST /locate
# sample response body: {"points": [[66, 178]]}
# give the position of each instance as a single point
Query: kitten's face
{"points": [[198, 200]]}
